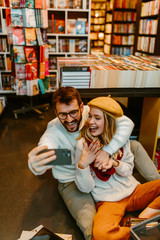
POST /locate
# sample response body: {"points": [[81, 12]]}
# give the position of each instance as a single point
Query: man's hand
{"points": [[102, 161], [38, 161]]}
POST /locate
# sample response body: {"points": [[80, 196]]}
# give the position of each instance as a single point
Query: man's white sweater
{"points": [[56, 136]]}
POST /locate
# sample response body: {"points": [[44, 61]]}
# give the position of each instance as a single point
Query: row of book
{"points": [[73, 4], [41, 4], [124, 28], [146, 44], [25, 87], [28, 17], [73, 45], [98, 5], [5, 63], [124, 16], [150, 8], [123, 40], [121, 4], [148, 26], [115, 71], [98, 20]]}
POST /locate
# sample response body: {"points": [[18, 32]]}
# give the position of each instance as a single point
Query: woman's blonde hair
{"points": [[105, 137]]}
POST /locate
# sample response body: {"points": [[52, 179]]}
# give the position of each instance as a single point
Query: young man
{"points": [[62, 132]]}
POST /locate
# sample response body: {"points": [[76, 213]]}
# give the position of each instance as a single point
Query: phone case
{"points": [[63, 157]]}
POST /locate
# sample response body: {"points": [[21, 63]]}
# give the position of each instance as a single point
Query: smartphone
{"points": [[63, 156], [45, 234]]}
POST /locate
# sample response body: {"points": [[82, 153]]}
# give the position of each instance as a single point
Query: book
{"points": [[39, 37], [51, 45], [41, 86], [21, 87], [80, 27], [38, 4], [16, 17], [19, 55], [61, 4], [20, 71], [77, 4], [29, 4], [29, 17], [42, 70], [44, 16], [31, 71], [59, 26], [15, 3], [44, 36], [18, 36], [30, 37], [71, 26], [52, 63], [32, 87], [30, 54]]}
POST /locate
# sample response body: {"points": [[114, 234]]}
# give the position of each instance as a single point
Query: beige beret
{"points": [[107, 105]]}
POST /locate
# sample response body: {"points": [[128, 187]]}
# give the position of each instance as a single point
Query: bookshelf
{"points": [[148, 29], [98, 16], [68, 31], [120, 27], [150, 128], [5, 63]]}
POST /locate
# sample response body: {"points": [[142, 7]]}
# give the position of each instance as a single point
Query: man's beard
{"points": [[72, 126]]}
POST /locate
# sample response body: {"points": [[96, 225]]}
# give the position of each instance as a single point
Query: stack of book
{"points": [[78, 77], [111, 71]]}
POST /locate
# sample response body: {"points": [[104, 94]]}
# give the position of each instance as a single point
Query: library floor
{"points": [[27, 201]]}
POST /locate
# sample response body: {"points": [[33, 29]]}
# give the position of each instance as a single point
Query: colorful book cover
{"points": [[30, 37], [38, 4], [32, 87], [18, 36], [44, 36], [30, 20], [15, 3], [41, 86], [16, 17], [71, 26], [19, 55], [30, 54], [31, 71], [21, 87], [52, 45], [8, 16], [46, 68], [20, 71], [29, 3], [80, 27], [39, 36], [42, 70], [59, 26]]}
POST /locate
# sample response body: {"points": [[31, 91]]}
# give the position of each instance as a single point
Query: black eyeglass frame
{"points": [[69, 113]]}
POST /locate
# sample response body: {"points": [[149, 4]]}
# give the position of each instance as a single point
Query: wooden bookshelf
{"points": [[120, 27], [150, 126], [68, 31], [98, 15], [148, 28]]}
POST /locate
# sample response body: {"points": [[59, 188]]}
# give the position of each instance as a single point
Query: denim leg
{"points": [[143, 162], [81, 206]]}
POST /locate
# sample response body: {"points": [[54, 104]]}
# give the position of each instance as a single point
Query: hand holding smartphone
{"points": [[63, 156]]}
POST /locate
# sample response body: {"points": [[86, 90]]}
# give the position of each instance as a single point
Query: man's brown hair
{"points": [[66, 95]]}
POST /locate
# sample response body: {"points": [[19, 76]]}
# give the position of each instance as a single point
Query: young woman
{"points": [[114, 190]]}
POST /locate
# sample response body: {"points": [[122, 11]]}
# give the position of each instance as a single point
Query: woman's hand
{"points": [[88, 154]]}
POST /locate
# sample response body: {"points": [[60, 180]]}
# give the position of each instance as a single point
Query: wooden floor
{"points": [[27, 201]]}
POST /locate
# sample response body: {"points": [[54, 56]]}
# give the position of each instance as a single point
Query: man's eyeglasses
{"points": [[73, 114]]}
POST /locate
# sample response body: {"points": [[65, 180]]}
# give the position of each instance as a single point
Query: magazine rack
{"points": [[29, 107]]}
